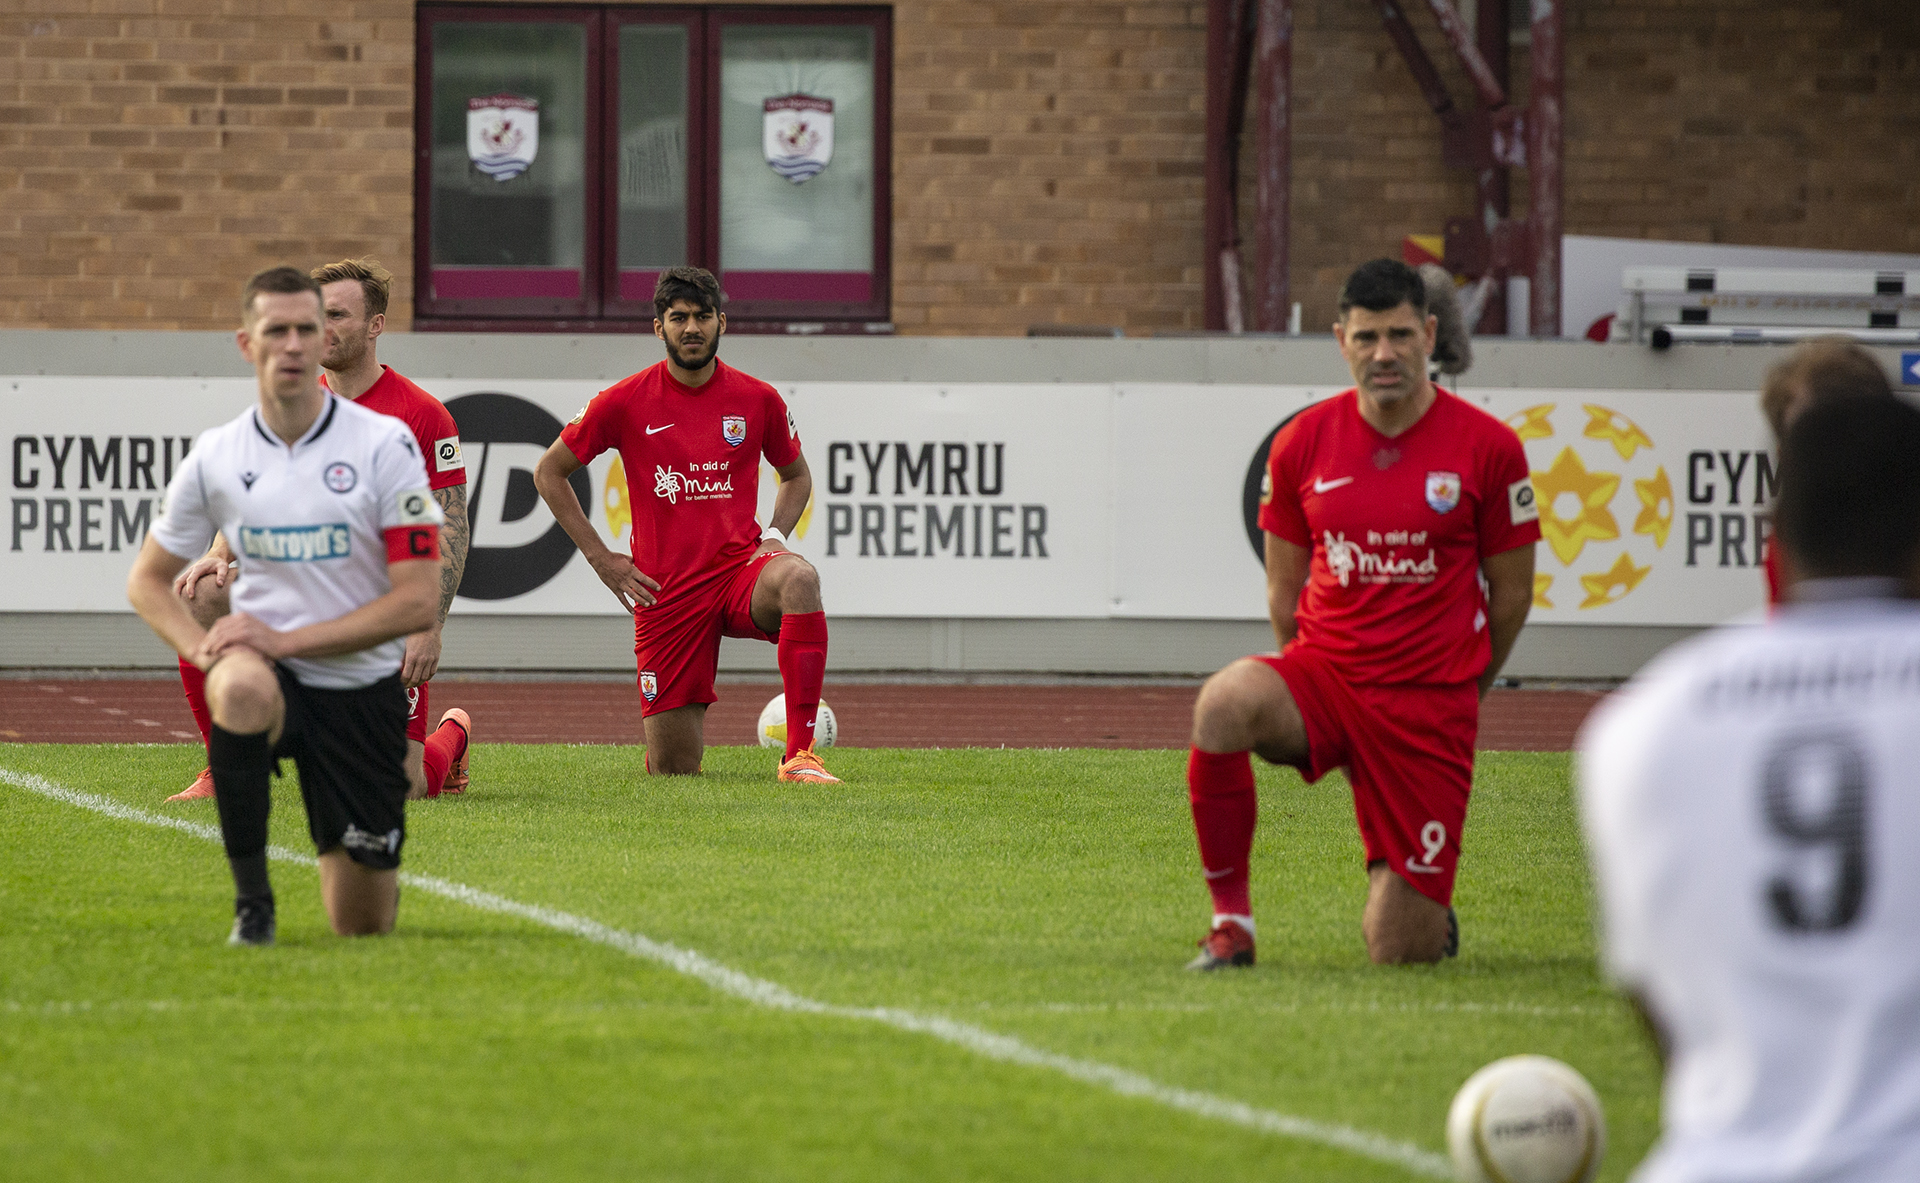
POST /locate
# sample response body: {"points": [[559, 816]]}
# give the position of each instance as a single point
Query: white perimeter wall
{"points": [[980, 505]]}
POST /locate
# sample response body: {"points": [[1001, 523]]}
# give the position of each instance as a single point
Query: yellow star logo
{"points": [[1612, 586], [1656, 507], [614, 499], [1591, 491], [1532, 424], [1540, 585], [1610, 425]]}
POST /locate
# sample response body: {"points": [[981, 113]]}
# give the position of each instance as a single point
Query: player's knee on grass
{"points": [[243, 694], [1401, 926], [360, 901], [209, 602], [676, 740]]}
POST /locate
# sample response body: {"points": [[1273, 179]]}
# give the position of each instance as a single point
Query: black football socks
{"points": [[242, 769]]}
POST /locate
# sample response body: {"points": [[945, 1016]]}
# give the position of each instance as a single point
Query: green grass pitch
{"points": [[1046, 896]]}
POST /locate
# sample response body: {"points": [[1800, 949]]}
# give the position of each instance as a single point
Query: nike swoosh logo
{"points": [[1421, 868], [1320, 486], [1217, 874], [652, 430]]}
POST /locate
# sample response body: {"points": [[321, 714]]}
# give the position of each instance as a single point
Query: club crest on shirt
{"points": [[733, 429], [1443, 490], [341, 477], [649, 685]]}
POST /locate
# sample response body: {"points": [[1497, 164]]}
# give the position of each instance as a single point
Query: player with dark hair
{"points": [[1400, 525], [1751, 809], [701, 566], [1812, 372], [328, 505], [356, 292]]}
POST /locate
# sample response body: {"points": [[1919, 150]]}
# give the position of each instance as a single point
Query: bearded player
{"points": [[701, 566], [1400, 524], [356, 293]]}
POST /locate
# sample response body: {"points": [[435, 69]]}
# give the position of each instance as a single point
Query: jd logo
{"points": [[517, 546]]}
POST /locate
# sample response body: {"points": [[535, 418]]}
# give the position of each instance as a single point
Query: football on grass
{"points": [[773, 725], [1526, 1119]]}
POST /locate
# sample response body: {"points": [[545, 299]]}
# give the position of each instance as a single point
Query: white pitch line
{"points": [[772, 995]]}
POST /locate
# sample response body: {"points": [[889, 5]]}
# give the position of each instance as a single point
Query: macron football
{"points": [[773, 725], [1526, 1119]]}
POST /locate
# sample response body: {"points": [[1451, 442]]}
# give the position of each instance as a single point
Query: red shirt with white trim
{"points": [[1398, 527], [692, 457], [432, 424]]}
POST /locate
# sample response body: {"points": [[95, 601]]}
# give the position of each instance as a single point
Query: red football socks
{"points": [[195, 684], [444, 747], [1225, 810], [803, 667]]}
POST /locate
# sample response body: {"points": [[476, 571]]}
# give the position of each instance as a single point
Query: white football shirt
{"points": [[307, 523], [1752, 804]]}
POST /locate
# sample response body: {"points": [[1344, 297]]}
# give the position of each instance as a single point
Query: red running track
{"points": [[1078, 714]]}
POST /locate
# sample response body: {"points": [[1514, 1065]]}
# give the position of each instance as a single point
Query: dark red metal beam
{"points": [[1229, 50], [1491, 179], [1545, 163], [1273, 66], [1493, 92], [1424, 75]]}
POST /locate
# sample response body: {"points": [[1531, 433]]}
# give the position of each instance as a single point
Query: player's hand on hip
{"points": [[634, 588], [423, 658], [237, 631], [191, 575]]}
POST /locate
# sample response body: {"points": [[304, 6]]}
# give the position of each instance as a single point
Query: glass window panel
{"points": [[768, 222], [653, 147], [503, 226]]}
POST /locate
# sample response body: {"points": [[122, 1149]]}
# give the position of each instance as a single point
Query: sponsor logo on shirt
{"points": [[649, 685], [341, 477], [1521, 505], [447, 456], [1349, 561], [733, 429], [793, 428], [296, 544], [674, 485], [416, 507], [1443, 490]]}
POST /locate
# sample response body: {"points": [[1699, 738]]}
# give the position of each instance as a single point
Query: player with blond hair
{"points": [[356, 292]]}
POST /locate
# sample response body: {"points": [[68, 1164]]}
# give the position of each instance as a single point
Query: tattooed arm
{"points": [[423, 648]]}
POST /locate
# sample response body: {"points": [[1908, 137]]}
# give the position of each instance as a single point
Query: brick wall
{"points": [[154, 153], [1048, 155]]}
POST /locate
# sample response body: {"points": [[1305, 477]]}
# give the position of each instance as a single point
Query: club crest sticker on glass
{"points": [[503, 134], [797, 136], [1443, 490]]}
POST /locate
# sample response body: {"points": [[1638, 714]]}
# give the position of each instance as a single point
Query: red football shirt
{"points": [[692, 455], [432, 424], [1397, 529]]}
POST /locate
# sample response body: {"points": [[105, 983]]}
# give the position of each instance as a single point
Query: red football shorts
{"points": [[1408, 752], [417, 713], [676, 642]]}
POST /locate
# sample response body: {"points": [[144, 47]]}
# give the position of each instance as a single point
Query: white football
{"points": [[773, 725], [1526, 1119]]}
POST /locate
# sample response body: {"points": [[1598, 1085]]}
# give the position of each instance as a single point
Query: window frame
{"points": [[601, 308], [517, 308]]}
